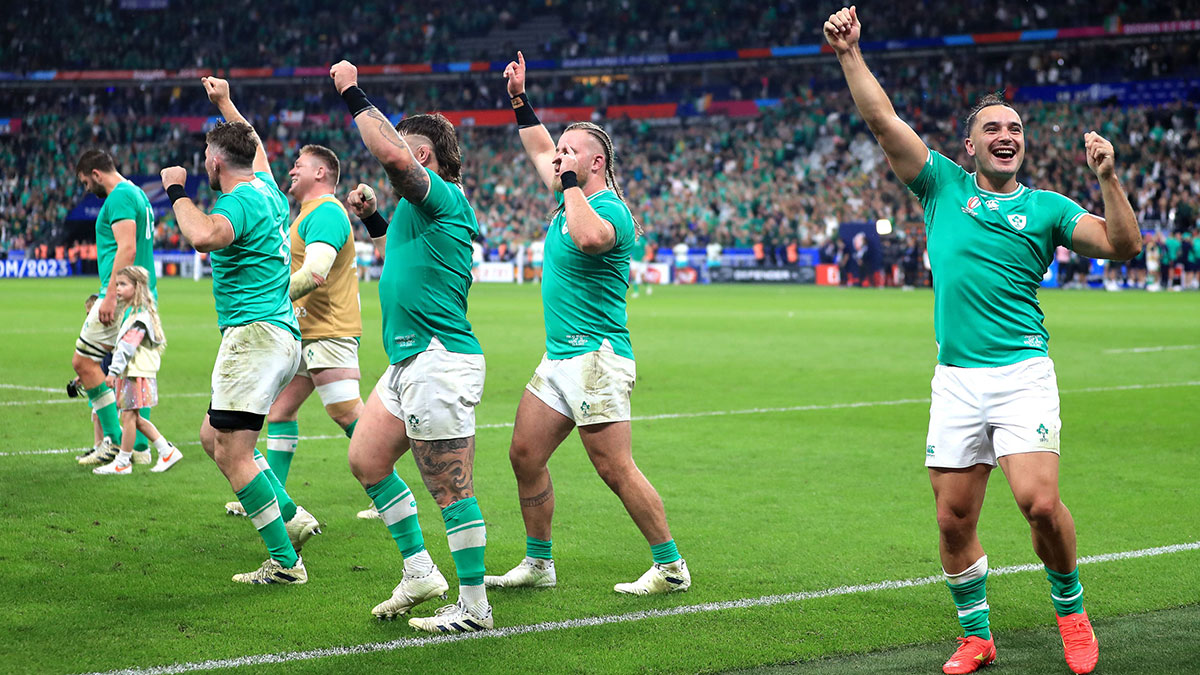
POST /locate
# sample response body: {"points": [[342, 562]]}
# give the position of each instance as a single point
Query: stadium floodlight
{"points": [[883, 226]]}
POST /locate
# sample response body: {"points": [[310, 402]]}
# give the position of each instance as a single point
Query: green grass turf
{"points": [[1133, 645], [106, 573]]}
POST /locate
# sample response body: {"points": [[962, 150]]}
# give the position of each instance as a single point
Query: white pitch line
{"points": [[1148, 350], [708, 413], [587, 622], [25, 388], [59, 401]]}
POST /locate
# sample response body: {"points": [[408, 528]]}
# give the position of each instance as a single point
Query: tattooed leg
{"points": [[538, 431], [447, 467]]}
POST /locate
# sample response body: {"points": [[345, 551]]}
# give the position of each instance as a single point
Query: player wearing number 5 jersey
{"points": [[995, 395], [246, 236], [124, 237]]}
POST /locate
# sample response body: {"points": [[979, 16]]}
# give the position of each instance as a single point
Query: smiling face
{"points": [[997, 142], [305, 172]]}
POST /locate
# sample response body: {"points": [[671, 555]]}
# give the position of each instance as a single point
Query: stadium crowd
{"points": [[786, 177], [307, 32]]}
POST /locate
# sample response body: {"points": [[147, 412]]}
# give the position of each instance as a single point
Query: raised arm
{"points": [[1116, 236], [207, 233], [591, 233], [538, 144], [361, 201], [408, 177], [218, 93], [905, 150]]}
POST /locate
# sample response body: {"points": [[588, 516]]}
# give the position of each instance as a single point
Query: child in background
{"points": [[132, 375]]}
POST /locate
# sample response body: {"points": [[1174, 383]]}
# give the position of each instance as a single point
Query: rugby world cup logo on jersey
{"points": [[972, 204], [1017, 221]]}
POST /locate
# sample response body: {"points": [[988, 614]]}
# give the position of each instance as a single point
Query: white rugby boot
{"points": [[454, 618], [271, 572], [412, 591], [668, 578], [103, 453], [301, 527], [531, 573]]}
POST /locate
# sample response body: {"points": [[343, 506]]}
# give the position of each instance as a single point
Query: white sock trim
{"points": [[975, 571]]}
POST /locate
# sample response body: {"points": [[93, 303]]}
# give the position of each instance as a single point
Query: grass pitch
{"points": [[786, 437]]}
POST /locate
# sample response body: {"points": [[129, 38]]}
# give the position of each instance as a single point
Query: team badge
{"points": [[1017, 221]]}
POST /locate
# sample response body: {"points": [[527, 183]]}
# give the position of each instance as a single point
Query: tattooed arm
{"points": [[408, 177], [447, 467]]}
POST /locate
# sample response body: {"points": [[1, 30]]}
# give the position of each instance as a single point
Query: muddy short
{"points": [[592, 388], [255, 362], [434, 392]]}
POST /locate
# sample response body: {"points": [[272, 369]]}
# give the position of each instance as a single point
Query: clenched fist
{"points": [[344, 74], [361, 201], [173, 175], [217, 89], [842, 30], [1100, 156]]}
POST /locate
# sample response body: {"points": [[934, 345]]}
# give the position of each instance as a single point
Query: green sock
{"points": [[398, 509], [665, 553], [468, 538], [104, 402], [258, 498], [1065, 592], [287, 507], [282, 439], [350, 429], [140, 442], [969, 590], [538, 548]]}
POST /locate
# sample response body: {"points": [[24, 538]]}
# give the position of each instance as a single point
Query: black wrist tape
{"points": [[569, 180], [376, 225], [356, 100], [524, 112], [176, 192]]}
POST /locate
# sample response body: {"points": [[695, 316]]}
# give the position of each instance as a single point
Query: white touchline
{"points": [[60, 401], [587, 622], [1147, 350], [687, 415], [26, 388]]}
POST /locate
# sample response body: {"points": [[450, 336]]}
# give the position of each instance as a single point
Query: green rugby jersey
{"points": [[583, 296], [251, 275], [988, 252], [427, 273], [126, 202]]}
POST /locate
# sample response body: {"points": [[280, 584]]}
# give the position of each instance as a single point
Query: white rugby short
{"points": [[334, 352], [978, 415], [255, 362], [434, 392], [591, 388], [96, 340]]}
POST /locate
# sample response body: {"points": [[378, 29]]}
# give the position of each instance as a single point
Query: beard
{"points": [[99, 190], [214, 180]]}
